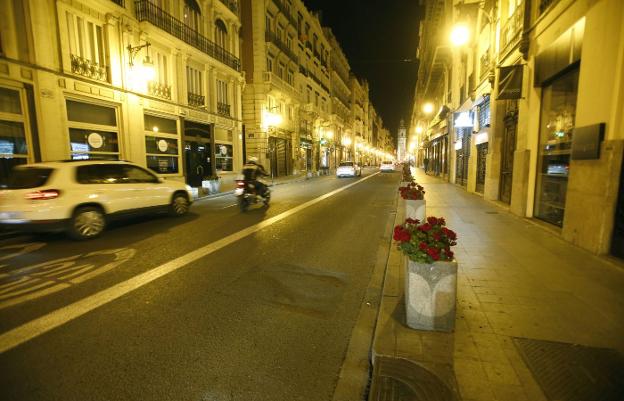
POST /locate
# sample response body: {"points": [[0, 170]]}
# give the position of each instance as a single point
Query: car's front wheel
{"points": [[179, 205], [87, 222]]}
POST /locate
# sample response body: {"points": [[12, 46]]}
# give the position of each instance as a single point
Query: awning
{"points": [[193, 5], [510, 82], [481, 99]]}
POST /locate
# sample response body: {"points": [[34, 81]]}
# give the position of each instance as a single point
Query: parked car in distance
{"points": [[348, 169], [386, 166], [81, 197]]}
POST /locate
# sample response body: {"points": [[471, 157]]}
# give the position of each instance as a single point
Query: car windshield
{"points": [[27, 177], [346, 164]]}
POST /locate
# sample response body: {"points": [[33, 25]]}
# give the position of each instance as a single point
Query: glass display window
{"points": [[14, 135], [558, 112], [93, 132], [162, 149]]}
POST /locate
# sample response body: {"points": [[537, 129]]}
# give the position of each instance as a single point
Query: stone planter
{"points": [[212, 186], [415, 209], [430, 295]]}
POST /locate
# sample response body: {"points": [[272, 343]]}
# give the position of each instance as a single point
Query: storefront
{"points": [[437, 153], [93, 130], [279, 151], [16, 142], [482, 140], [162, 150], [463, 123], [557, 116], [198, 153]]}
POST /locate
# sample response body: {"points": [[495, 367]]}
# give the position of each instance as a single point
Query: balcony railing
{"points": [[118, 2], [159, 90], [196, 100], [277, 41], [510, 34], [88, 68], [231, 4], [544, 4], [284, 10], [146, 11], [223, 109], [274, 79], [344, 75]]}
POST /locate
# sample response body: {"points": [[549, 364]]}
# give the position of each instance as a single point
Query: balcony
{"points": [[284, 10], [510, 34], [159, 90], [223, 109], [88, 68], [231, 4], [277, 41], [275, 80], [196, 100], [146, 11]]}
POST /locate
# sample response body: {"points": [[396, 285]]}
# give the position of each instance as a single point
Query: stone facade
{"points": [[83, 67], [519, 150]]}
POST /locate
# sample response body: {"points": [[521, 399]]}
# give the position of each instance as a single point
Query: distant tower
{"points": [[402, 143]]}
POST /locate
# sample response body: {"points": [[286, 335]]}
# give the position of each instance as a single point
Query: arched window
{"points": [[221, 34], [191, 15]]}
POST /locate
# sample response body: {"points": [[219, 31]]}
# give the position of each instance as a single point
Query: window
{"points": [[221, 34], [222, 92], [161, 66], [223, 157], [269, 64], [194, 81], [289, 40], [280, 70], [113, 174], [279, 32], [29, 177], [290, 77], [191, 17], [85, 38], [161, 144], [93, 132], [269, 22]]}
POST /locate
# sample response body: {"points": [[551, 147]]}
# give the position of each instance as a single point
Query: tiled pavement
{"points": [[515, 279]]}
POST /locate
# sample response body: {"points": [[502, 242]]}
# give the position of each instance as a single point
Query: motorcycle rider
{"points": [[251, 171]]}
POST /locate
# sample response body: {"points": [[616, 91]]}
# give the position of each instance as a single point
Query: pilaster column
{"points": [[212, 89]]}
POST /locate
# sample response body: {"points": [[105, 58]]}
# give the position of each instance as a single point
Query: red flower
{"points": [[425, 227], [423, 246], [409, 220], [437, 236], [401, 234], [432, 220]]}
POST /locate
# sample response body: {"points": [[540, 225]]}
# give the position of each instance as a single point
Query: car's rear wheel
{"points": [[87, 222], [179, 205]]}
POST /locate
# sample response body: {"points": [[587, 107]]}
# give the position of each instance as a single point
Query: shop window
{"points": [[93, 132], [161, 144], [558, 111], [13, 142], [223, 157]]}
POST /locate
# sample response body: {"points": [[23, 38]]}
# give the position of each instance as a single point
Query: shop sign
{"points": [[162, 145], [95, 140], [463, 120]]}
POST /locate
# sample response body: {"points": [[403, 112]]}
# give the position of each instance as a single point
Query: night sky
{"points": [[376, 36]]}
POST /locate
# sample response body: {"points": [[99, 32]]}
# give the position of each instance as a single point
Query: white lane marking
{"points": [[43, 324], [233, 204]]}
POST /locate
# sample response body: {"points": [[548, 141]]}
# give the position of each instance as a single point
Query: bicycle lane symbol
{"points": [[32, 282]]}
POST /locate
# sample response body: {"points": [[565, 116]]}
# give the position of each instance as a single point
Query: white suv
{"points": [[81, 196]]}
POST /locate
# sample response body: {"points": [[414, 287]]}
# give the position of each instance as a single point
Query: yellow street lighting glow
{"points": [[419, 130], [427, 108], [346, 141], [329, 134], [460, 35], [271, 119]]}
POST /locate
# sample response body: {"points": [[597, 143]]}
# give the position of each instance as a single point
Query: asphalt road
{"points": [[266, 314]]}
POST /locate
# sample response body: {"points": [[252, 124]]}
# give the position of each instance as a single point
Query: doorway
{"points": [[509, 147], [198, 153]]}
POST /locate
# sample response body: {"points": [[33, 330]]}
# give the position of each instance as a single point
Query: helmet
{"points": [[252, 159]]}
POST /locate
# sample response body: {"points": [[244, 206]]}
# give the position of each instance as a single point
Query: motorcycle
{"points": [[246, 193]]}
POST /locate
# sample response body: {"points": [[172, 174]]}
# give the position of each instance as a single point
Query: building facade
{"points": [[156, 82], [534, 100]]}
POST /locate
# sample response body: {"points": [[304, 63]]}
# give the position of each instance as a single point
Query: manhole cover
{"points": [[401, 380], [570, 372]]}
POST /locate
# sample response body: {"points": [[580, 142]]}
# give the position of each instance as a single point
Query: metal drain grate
{"points": [[570, 372], [401, 380]]}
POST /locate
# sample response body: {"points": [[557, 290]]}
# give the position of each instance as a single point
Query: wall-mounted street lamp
{"points": [[346, 141], [147, 71], [460, 35], [419, 130], [427, 108], [270, 119]]}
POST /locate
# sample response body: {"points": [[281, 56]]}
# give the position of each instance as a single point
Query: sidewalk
{"points": [[524, 296]]}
